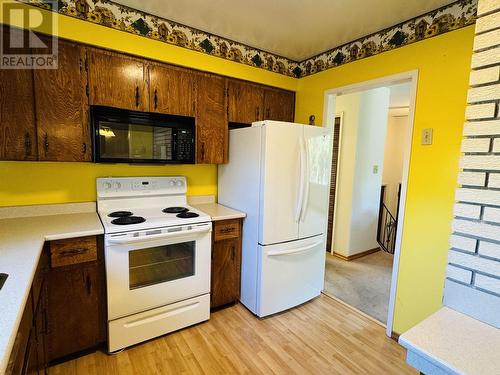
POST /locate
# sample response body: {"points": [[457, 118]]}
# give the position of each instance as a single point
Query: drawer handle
{"points": [[227, 230], [67, 253]]}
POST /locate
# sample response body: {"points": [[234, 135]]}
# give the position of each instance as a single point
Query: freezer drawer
{"points": [[290, 274], [140, 327]]}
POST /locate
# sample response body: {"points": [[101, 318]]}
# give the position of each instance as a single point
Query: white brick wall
{"points": [[476, 145], [479, 111], [458, 274], [482, 76], [474, 262], [474, 128], [463, 243], [489, 249], [472, 178], [489, 283], [473, 272]]}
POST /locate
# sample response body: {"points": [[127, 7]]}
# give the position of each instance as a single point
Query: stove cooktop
{"points": [[136, 218], [142, 203]]}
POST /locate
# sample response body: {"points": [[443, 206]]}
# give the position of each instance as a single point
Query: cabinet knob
{"points": [[84, 148], [27, 144], [46, 143], [88, 283]]}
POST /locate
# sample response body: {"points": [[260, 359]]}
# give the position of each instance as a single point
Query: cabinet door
{"points": [[118, 81], [279, 105], [31, 359], [41, 331], [211, 120], [62, 107], [245, 102], [172, 90], [73, 309], [226, 263], [17, 113]]}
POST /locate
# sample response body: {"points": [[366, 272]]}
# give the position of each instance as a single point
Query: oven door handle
{"points": [[127, 240]]}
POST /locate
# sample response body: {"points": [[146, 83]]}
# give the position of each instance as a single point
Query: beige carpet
{"points": [[362, 283]]}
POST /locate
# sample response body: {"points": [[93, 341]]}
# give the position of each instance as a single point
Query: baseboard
{"points": [[356, 256], [395, 336]]}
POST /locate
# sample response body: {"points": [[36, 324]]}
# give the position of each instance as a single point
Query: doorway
{"points": [[372, 126]]}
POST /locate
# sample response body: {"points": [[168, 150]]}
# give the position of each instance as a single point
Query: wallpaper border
{"points": [[110, 14]]}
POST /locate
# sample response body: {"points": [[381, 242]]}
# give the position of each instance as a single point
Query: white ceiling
{"points": [[296, 29]]}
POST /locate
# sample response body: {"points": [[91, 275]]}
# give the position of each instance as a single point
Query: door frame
{"points": [[328, 118], [341, 116]]}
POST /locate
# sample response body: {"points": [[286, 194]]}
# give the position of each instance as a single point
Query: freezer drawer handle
{"points": [[294, 251], [127, 240]]}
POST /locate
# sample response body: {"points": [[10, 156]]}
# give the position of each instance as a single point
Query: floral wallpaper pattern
{"points": [[111, 14]]}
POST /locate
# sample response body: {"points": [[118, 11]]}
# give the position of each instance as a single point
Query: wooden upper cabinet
{"points": [[279, 105], [118, 81], [62, 107], [17, 113], [245, 102], [211, 120], [172, 90]]}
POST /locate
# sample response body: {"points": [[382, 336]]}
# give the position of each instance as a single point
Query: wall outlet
{"points": [[427, 136], [375, 169]]}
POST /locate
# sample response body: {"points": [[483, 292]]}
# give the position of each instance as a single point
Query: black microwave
{"points": [[123, 136]]}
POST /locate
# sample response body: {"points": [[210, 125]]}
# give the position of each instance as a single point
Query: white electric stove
{"points": [[157, 254]]}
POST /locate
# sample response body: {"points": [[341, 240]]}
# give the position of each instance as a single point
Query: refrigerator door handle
{"points": [[300, 198], [305, 181], [294, 251]]}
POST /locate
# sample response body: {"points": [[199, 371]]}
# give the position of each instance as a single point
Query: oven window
{"points": [[156, 265], [132, 141]]}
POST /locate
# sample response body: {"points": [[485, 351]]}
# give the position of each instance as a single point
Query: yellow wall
{"points": [[443, 63], [24, 183]]}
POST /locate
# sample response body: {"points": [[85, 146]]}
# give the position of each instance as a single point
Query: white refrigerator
{"points": [[279, 174]]}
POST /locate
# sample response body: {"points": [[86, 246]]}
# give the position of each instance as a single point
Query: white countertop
{"points": [[219, 212], [21, 243], [456, 342]]}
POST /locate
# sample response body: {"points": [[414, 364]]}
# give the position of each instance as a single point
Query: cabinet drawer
{"points": [[73, 251], [226, 229]]}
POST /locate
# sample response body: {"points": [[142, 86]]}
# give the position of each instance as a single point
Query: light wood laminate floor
{"points": [[319, 337]]}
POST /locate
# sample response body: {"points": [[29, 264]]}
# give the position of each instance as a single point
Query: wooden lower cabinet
{"points": [[226, 263], [65, 310], [28, 353], [75, 298]]}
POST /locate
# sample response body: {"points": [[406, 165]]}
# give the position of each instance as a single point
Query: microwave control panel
{"points": [[184, 145]]}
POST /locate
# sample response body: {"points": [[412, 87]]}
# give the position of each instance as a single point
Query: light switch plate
{"points": [[427, 136]]}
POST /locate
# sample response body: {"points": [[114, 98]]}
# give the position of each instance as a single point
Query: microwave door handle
{"points": [[152, 237]]}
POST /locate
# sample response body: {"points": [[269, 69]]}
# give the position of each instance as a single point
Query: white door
{"points": [[314, 212], [280, 182], [290, 274], [153, 268]]}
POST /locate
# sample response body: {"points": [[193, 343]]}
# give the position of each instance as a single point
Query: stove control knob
{"points": [[172, 183], [107, 185], [117, 185], [179, 183]]}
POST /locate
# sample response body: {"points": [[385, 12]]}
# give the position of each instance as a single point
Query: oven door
{"points": [[153, 268]]}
